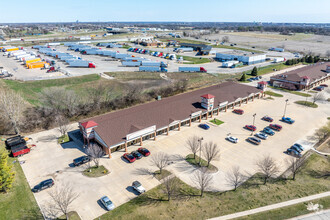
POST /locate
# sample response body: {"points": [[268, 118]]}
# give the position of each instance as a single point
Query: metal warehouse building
{"points": [[246, 59], [120, 129]]}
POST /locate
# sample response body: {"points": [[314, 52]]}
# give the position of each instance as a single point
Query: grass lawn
{"points": [[270, 93], [31, 89], [162, 175], [252, 194], [216, 121], [96, 171], [293, 92], [237, 48], [289, 211], [19, 202], [63, 139], [194, 60], [306, 103], [195, 162], [71, 216]]}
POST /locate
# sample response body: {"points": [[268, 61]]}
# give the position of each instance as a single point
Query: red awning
{"points": [[208, 96], [89, 124]]}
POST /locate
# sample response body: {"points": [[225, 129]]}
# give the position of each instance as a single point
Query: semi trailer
{"points": [[192, 69], [152, 69], [81, 63]]}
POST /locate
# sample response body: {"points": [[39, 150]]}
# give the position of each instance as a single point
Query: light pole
{"points": [[254, 118], [200, 150], [286, 103]]}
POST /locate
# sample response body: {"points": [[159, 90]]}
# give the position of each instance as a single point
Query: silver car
{"points": [[107, 203], [262, 135], [232, 139]]}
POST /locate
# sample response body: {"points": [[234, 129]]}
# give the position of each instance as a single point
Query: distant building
{"points": [[116, 30], [246, 59], [202, 49], [303, 78]]}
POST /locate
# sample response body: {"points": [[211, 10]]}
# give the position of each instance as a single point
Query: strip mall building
{"points": [[123, 128]]}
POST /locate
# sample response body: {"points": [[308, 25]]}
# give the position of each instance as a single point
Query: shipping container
{"points": [[153, 63], [37, 65], [12, 49], [152, 69], [121, 55], [81, 63], [32, 60], [30, 57], [192, 69], [131, 63]]}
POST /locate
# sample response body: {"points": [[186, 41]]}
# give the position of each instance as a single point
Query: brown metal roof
{"points": [[114, 126], [314, 72]]}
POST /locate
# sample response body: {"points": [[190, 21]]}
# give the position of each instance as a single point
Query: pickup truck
{"points": [[138, 187]]}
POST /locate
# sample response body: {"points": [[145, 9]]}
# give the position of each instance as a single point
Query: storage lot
{"points": [[52, 160]]}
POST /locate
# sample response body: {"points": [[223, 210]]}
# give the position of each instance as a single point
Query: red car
{"points": [[275, 127], [267, 118], [144, 151], [251, 127], [239, 111], [129, 157]]}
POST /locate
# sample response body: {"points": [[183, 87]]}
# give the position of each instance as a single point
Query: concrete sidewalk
{"points": [[274, 206]]}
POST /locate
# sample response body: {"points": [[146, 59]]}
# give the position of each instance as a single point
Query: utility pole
{"points": [[200, 150], [254, 118], [286, 103]]}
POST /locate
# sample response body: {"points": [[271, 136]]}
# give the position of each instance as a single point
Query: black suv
{"points": [[43, 185], [81, 160]]}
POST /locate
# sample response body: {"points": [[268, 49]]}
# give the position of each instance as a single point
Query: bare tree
{"points": [[193, 144], [318, 97], [202, 179], [295, 165], [13, 106], [95, 153], [268, 167], [211, 151], [63, 196], [235, 177], [322, 133], [170, 186], [63, 124], [160, 160], [225, 39]]}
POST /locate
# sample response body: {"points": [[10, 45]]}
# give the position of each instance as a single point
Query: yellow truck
{"points": [[12, 49], [37, 65], [26, 62]]}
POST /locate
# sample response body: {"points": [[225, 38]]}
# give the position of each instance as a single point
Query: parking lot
{"points": [[53, 161]]}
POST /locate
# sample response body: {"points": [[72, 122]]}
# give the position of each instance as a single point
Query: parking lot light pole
{"points": [[200, 150], [286, 103], [254, 118]]}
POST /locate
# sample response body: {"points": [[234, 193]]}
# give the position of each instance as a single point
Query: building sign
{"points": [[140, 133], [222, 104], [196, 114]]}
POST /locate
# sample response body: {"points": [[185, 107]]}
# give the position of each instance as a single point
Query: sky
{"points": [[291, 11]]}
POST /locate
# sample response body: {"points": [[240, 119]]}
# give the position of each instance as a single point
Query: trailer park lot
{"points": [[51, 160], [107, 64]]}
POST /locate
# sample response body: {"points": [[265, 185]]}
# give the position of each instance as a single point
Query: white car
{"points": [[232, 139], [138, 187], [107, 203], [262, 135]]}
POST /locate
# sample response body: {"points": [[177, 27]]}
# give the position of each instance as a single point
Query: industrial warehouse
{"points": [[120, 129], [304, 78], [246, 59]]}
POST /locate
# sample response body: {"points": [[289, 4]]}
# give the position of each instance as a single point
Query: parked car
{"points": [[292, 152], [267, 118], [324, 85], [138, 187], [137, 155], [250, 127], [81, 160], [261, 135], [287, 120], [254, 140], [319, 88], [299, 146], [232, 139], [268, 131], [275, 127], [239, 111], [108, 204], [129, 157], [204, 126], [43, 185], [144, 151], [294, 147]]}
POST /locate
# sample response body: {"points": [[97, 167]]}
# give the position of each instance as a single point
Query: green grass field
{"points": [[96, 171], [307, 104], [19, 203], [182, 40], [203, 163], [216, 121], [292, 92], [270, 93], [252, 194], [194, 60]]}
